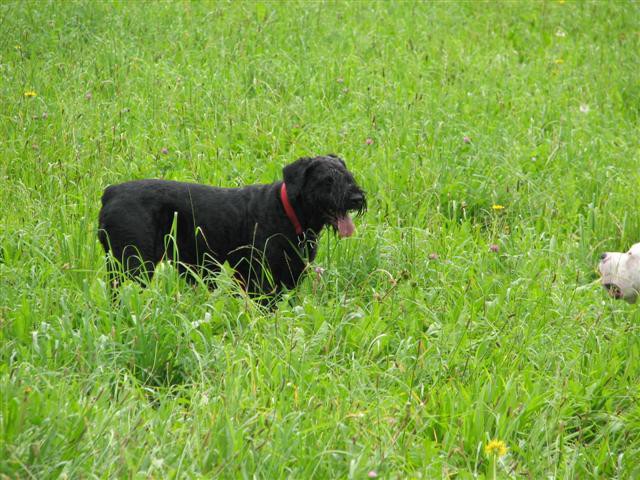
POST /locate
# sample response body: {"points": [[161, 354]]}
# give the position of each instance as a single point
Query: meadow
{"points": [[498, 144]]}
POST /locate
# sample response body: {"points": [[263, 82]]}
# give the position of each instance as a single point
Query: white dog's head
{"points": [[621, 273]]}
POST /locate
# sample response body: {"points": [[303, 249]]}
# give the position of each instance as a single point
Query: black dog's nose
{"points": [[603, 256], [356, 197]]}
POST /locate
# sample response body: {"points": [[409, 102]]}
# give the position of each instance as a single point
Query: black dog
{"points": [[273, 226]]}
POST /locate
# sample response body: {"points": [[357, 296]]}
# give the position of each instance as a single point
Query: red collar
{"points": [[289, 210]]}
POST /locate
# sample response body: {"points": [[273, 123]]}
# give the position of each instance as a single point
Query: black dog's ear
{"points": [[294, 174], [333, 155]]}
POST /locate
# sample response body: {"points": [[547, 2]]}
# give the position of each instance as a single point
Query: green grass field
{"points": [[393, 363]]}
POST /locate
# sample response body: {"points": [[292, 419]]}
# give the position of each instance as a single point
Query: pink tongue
{"points": [[345, 226]]}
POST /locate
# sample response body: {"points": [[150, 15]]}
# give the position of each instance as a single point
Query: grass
{"points": [[393, 361]]}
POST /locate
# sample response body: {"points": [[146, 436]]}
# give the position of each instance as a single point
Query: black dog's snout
{"points": [[357, 201], [603, 256], [357, 197]]}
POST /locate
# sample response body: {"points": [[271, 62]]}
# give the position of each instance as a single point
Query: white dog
{"points": [[621, 273]]}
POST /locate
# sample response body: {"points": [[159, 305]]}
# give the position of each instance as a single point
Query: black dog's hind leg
{"points": [[137, 268], [117, 272]]}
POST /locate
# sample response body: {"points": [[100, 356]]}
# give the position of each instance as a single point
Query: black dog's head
{"points": [[325, 191]]}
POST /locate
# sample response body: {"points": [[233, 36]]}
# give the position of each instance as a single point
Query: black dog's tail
{"points": [[102, 232]]}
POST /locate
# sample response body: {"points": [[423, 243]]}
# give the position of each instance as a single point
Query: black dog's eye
{"points": [[327, 181]]}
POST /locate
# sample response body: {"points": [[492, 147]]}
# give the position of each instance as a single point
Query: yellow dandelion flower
{"points": [[558, 61], [30, 93], [496, 447], [497, 207]]}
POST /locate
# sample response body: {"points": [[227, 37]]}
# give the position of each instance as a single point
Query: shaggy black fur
{"points": [[247, 227]]}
